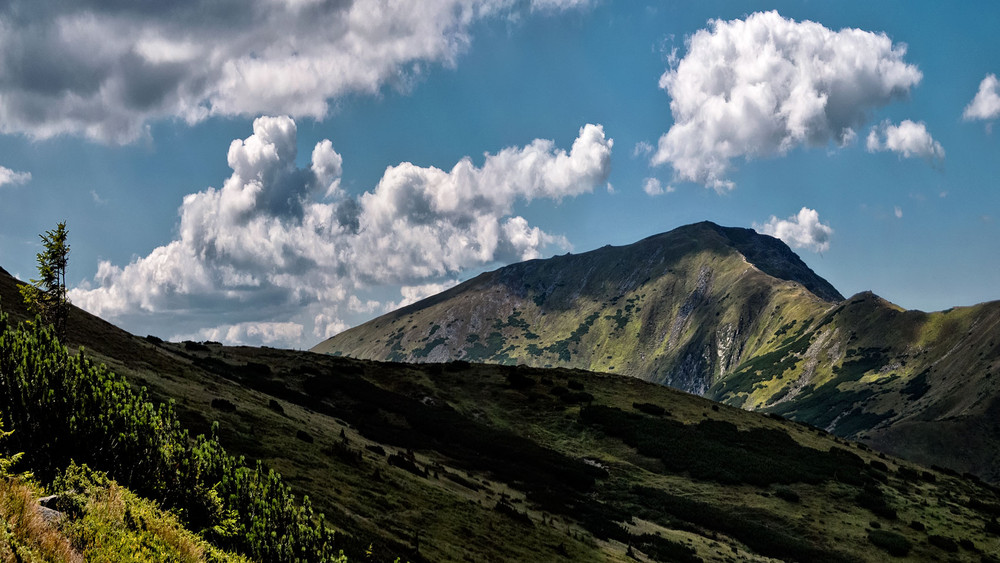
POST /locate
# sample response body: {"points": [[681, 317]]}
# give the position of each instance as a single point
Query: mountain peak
{"points": [[773, 257], [768, 254]]}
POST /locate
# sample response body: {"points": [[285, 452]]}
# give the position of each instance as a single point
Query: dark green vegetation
{"points": [[67, 409], [46, 296], [734, 316]]}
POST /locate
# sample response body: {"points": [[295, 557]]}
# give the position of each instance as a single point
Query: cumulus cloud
{"points": [[10, 177], [986, 104], [761, 86], [908, 139], [802, 230], [277, 238], [105, 69]]}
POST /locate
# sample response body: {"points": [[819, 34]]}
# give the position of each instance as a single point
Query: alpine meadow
{"points": [[499, 280]]}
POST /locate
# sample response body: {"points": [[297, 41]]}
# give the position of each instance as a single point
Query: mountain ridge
{"points": [[610, 278]]}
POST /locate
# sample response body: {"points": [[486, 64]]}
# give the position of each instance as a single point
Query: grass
{"points": [[99, 521], [26, 534]]}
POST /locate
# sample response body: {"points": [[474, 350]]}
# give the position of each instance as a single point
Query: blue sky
{"points": [[184, 146]]}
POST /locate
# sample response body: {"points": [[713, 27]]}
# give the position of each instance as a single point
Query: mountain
{"points": [[682, 308], [734, 316], [459, 461]]}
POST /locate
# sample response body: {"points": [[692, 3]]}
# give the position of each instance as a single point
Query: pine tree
{"points": [[46, 296]]}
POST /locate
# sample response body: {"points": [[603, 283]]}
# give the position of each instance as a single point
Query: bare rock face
{"points": [[47, 509]]}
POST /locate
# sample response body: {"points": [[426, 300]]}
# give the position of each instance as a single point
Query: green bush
{"points": [[69, 409], [787, 494], [943, 543], [893, 543]]}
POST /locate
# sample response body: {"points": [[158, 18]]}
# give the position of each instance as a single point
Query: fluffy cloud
{"points": [[8, 176], [803, 230], [105, 69], [909, 139], [986, 104], [762, 86], [278, 240], [413, 293]]}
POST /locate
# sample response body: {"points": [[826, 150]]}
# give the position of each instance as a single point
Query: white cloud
{"points": [[271, 244], [327, 325], [286, 334], [986, 104], [898, 212], [909, 139], [10, 177], [106, 69], [803, 230], [413, 293], [762, 86], [653, 187], [356, 305]]}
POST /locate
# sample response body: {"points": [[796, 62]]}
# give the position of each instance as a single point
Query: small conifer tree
{"points": [[46, 296]]}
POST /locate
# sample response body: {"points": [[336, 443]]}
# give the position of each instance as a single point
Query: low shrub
{"points": [[505, 508], [893, 543], [943, 543], [406, 464], [784, 493], [649, 408], [223, 405], [275, 406]]}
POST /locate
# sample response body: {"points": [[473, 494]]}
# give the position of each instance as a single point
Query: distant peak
{"points": [[773, 257]]}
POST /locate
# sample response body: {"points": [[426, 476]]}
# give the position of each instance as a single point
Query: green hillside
{"points": [[734, 316], [459, 461]]}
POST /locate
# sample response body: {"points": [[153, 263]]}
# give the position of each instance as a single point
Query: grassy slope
{"points": [[919, 385], [463, 421], [107, 523], [493, 460], [498, 470]]}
